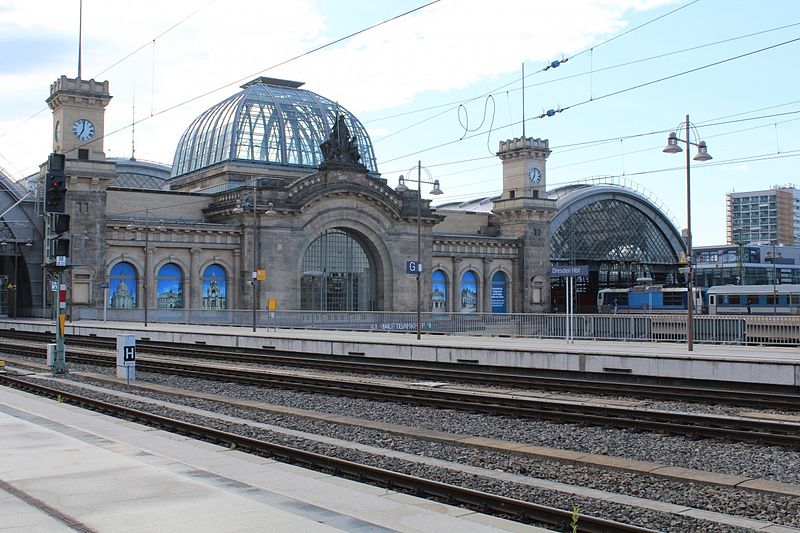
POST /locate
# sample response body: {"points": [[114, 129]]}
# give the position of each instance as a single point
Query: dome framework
{"points": [[271, 121]]}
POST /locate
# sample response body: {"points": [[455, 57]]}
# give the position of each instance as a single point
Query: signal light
{"points": [[55, 193]]}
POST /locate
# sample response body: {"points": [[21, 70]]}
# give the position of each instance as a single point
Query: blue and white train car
{"points": [[754, 299], [648, 299]]}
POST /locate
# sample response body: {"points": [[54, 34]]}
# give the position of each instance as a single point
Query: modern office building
{"points": [[279, 179], [767, 216], [747, 264]]}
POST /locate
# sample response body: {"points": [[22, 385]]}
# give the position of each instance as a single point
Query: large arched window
{"points": [[337, 275], [439, 292], [215, 288], [469, 292], [499, 293], [169, 291], [122, 286]]}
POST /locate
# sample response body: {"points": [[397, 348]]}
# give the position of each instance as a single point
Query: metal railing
{"points": [[710, 329]]}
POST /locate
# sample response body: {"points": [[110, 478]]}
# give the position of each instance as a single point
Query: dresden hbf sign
{"points": [[569, 271]]}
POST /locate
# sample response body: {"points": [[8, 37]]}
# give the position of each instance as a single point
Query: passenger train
{"points": [[718, 300], [648, 298], [754, 299]]}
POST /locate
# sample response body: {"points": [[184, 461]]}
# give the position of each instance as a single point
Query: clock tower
{"points": [[78, 117], [524, 211], [78, 127]]}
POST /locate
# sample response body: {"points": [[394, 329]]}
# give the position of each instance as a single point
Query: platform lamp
{"points": [[402, 187], [146, 277], [241, 207], [702, 155]]}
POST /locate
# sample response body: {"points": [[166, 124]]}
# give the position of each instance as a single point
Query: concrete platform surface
{"points": [[65, 469]]}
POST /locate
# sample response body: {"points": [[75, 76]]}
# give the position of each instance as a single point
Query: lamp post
{"points": [[146, 276], [240, 209], [402, 187], [702, 155]]}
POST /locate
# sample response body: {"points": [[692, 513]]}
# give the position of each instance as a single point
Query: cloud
{"points": [[451, 45]]}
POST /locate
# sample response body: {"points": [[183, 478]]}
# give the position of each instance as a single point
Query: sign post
{"points": [[569, 272], [126, 357]]}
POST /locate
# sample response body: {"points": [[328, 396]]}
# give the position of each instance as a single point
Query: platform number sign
{"points": [[412, 267], [129, 354]]}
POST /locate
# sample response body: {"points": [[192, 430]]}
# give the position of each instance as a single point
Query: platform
{"points": [[744, 364], [67, 469]]}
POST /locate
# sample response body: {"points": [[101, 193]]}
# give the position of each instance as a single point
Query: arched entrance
{"points": [[338, 274]]}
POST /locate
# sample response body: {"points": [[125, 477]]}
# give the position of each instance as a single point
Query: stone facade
{"points": [[265, 218]]}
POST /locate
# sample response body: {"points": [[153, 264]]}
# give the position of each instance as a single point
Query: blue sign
{"points": [[569, 271], [498, 297], [412, 267]]}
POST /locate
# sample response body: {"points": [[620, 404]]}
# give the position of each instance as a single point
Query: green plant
{"points": [[576, 513]]}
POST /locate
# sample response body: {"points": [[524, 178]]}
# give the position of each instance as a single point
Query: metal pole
{"points": [[16, 279], [255, 263], [689, 294], [146, 260], [419, 245], [774, 282]]}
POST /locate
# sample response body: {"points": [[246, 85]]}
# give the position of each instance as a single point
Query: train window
{"points": [[734, 299], [712, 300], [795, 299], [771, 299], [674, 298]]}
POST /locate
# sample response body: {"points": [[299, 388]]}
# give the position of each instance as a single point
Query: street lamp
{"points": [[702, 155], [240, 208], [132, 227], [402, 187]]}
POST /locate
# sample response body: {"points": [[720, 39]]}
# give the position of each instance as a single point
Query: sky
{"points": [[443, 84]]}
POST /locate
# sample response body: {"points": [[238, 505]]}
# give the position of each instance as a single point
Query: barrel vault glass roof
{"points": [[270, 121], [611, 230]]}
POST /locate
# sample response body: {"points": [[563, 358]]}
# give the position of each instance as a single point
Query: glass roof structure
{"points": [[612, 224], [269, 121], [140, 175]]}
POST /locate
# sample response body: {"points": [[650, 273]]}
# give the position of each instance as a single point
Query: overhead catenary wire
{"points": [[552, 112]]}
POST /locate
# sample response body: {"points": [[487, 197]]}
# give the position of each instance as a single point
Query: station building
{"points": [[277, 178]]}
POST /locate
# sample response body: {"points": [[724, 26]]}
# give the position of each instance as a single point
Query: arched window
{"points": [[122, 286], [337, 274], [469, 292], [169, 291], [499, 293], [439, 292], [215, 288], [537, 290]]}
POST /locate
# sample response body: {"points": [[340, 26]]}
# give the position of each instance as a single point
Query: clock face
{"points": [[535, 175], [83, 129]]}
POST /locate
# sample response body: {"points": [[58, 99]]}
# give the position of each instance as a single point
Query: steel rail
{"points": [[526, 511], [483, 376], [730, 428]]}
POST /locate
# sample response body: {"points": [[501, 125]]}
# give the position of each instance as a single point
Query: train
{"points": [[717, 300], [754, 300], [648, 299]]}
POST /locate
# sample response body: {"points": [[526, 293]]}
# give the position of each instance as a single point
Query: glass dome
{"points": [[270, 121]]}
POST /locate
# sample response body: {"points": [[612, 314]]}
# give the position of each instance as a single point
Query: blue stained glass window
{"points": [[469, 292], [439, 291], [122, 286], [169, 292], [215, 288]]}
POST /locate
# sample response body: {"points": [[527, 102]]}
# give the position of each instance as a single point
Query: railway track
{"points": [[486, 502], [692, 424], [694, 392]]}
